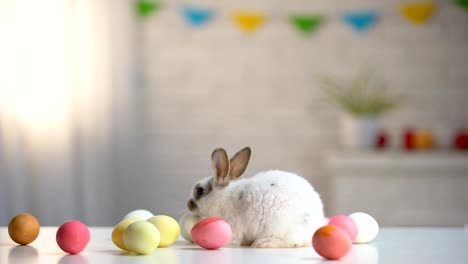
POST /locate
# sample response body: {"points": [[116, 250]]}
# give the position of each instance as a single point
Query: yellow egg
{"points": [[168, 228], [117, 233], [141, 237]]}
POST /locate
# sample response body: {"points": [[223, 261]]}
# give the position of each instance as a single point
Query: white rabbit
{"points": [[272, 209]]}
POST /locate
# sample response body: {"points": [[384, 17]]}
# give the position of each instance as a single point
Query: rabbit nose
{"points": [[191, 205]]}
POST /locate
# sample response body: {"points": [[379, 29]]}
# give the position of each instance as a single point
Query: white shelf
{"points": [[362, 159], [401, 188]]}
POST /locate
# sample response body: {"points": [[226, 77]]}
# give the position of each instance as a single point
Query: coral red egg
{"points": [[331, 242], [73, 236], [346, 223], [211, 233]]}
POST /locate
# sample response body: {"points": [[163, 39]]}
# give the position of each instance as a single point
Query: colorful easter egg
{"points": [[23, 228], [187, 222], [141, 237], [117, 233], [331, 242], [168, 227], [211, 233], [142, 214], [346, 223], [73, 236], [368, 228]]}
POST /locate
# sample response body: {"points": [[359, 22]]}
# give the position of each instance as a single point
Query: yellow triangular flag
{"points": [[418, 13], [248, 22]]}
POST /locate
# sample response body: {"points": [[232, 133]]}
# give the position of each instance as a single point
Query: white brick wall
{"points": [[213, 87]]}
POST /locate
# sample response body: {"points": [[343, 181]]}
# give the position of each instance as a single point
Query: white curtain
{"points": [[66, 108]]}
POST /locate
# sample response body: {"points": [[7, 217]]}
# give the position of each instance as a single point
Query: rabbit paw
{"points": [[246, 242], [273, 242]]}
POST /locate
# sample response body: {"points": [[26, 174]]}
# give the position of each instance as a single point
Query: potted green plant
{"points": [[363, 99]]}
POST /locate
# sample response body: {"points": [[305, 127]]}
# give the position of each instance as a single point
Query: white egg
{"points": [[367, 227], [142, 214], [187, 221]]}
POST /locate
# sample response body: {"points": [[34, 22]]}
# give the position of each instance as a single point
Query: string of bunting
{"points": [[197, 17], [248, 22], [462, 3], [361, 21], [307, 23], [418, 13]]}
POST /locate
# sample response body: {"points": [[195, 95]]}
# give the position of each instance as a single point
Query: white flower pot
{"points": [[359, 132]]}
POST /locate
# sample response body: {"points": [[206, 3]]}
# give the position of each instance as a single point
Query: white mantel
{"points": [[367, 159], [400, 188]]}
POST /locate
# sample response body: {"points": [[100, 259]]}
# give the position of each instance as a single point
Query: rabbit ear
{"points": [[220, 163], [239, 163]]}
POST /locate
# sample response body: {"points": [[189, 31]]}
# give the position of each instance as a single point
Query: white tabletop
{"points": [[393, 245]]}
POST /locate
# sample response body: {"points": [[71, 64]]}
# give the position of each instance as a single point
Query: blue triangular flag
{"points": [[360, 21], [196, 16]]}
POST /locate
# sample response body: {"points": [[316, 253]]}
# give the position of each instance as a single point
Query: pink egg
{"points": [[73, 236], [211, 233], [346, 223], [331, 242]]}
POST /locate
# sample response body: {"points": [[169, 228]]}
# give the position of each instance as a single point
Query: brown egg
{"points": [[23, 228]]}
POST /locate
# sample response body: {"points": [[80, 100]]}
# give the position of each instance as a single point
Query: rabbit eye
{"points": [[199, 192]]}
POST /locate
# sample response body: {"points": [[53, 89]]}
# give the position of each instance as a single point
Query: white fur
{"points": [[271, 209]]}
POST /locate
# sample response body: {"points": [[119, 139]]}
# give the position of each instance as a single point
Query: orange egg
{"points": [[23, 228], [331, 242], [423, 139]]}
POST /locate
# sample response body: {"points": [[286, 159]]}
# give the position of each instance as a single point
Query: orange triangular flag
{"points": [[418, 13], [248, 22]]}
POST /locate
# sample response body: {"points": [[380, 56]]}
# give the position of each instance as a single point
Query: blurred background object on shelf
{"points": [[461, 140], [363, 100]]}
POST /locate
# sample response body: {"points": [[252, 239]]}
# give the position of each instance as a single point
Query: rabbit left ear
{"points": [[238, 163], [220, 163]]}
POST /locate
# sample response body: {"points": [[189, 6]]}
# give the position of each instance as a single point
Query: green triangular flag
{"points": [[462, 4], [147, 7], [306, 23]]}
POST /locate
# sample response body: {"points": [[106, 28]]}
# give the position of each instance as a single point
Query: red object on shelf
{"points": [[381, 141], [408, 139], [460, 140]]}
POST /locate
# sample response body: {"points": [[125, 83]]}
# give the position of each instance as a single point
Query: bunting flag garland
{"points": [[418, 13], [146, 7], [360, 21], [307, 24], [248, 22], [196, 16], [462, 3]]}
